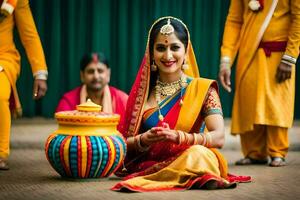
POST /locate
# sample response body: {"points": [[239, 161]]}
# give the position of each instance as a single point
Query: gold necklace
{"points": [[168, 89]]}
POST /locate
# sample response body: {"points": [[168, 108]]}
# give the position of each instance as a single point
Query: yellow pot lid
{"points": [[87, 113]]}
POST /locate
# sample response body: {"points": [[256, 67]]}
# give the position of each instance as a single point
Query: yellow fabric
{"points": [[265, 141], [5, 116], [190, 110], [9, 56], [259, 99], [193, 70], [194, 162]]}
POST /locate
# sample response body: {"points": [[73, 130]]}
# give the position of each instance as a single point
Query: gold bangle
{"points": [[186, 139], [209, 140], [195, 139], [179, 137], [204, 140], [139, 145]]}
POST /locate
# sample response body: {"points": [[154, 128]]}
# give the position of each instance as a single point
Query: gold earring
{"points": [[153, 67], [184, 66]]}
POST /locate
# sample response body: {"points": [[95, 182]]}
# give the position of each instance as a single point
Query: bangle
{"points": [[41, 75], [204, 140], [209, 140], [225, 61], [289, 59], [182, 137], [198, 138], [179, 137], [139, 145], [195, 139], [286, 62]]}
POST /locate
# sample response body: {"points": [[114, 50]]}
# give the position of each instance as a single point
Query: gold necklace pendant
{"points": [[168, 89]]}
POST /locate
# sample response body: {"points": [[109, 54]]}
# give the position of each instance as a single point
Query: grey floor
{"points": [[31, 176]]}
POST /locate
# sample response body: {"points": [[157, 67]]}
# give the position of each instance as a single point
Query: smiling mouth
{"points": [[168, 63]]}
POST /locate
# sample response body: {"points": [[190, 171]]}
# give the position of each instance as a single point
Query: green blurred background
{"points": [[119, 29]]}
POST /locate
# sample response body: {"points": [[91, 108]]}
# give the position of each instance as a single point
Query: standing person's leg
{"points": [[278, 145], [5, 120], [254, 146]]}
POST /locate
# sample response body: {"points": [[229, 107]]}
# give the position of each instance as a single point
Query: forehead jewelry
{"points": [[167, 29]]}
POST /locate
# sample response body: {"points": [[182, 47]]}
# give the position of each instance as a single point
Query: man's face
{"points": [[96, 75]]}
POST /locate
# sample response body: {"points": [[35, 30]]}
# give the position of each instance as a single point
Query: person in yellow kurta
{"points": [[168, 103], [266, 36], [16, 13]]}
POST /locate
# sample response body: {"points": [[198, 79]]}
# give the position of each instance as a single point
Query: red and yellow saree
{"points": [[166, 165]]}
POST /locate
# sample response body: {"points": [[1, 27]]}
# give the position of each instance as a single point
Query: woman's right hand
{"points": [[150, 137]]}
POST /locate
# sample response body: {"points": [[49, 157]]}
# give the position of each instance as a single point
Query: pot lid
{"points": [[87, 113]]}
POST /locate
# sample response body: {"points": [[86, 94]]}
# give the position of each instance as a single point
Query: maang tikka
{"points": [[167, 28]]}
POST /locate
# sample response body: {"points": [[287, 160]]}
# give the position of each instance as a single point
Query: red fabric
{"points": [[133, 111], [198, 182], [12, 102], [162, 153], [261, 2], [270, 47], [238, 179]]}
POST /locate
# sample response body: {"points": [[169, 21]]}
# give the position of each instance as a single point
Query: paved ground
{"points": [[31, 176]]}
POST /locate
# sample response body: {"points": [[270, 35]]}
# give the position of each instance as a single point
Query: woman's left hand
{"points": [[166, 132]]}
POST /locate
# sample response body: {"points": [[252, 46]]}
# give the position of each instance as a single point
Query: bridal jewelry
{"points": [[168, 89], [167, 29]]}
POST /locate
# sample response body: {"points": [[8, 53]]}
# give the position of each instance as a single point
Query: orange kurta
{"points": [[259, 99], [9, 56]]}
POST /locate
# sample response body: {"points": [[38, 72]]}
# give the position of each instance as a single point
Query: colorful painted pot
{"points": [[86, 144]]}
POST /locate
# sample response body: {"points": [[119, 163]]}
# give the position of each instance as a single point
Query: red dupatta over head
{"points": [[140, 89]]}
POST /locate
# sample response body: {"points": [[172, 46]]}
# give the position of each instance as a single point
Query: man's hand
{"points": [[39, 88], [284, 72], [224, 76]]}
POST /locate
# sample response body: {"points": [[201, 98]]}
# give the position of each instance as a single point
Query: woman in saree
{"points": [[167, 106]]}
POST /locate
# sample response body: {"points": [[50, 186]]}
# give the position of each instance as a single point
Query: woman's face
{"points": [[168, 53]]}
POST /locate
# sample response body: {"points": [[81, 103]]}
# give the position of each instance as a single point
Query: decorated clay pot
{"points": [[86, 144]]}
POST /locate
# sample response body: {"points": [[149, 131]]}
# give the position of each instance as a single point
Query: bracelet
{"points": [[289, 59], [195, 139], [204, 140], [179, 137], [209, 140], [139, 145], [225, 61], [198, 138], [286, 62], [182, 137], [41, 75]]}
